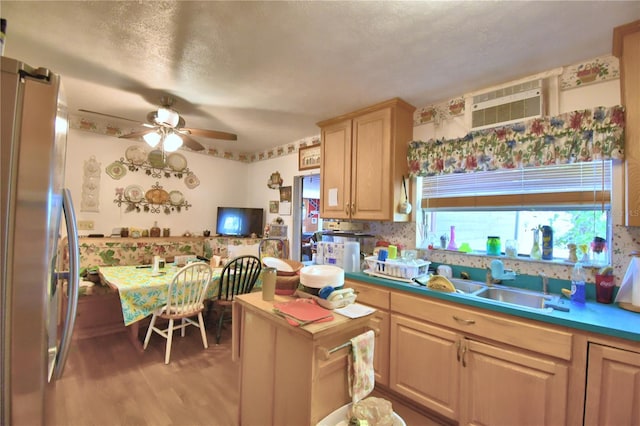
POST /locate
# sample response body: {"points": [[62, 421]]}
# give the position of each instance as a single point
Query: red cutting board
{"points": [[303, 309]]}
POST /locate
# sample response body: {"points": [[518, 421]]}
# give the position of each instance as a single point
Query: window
{"points": [[574, 199]]}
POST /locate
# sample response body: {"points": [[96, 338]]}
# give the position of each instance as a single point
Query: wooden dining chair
{"points": [[184, 301], [239, 276]]}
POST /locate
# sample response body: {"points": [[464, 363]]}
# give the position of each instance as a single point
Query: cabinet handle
{"points": [[464, 321], [464, 355], [353, 208], [458, 350]]}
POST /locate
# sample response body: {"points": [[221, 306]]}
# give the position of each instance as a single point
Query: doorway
{"points": [[306, 216]]}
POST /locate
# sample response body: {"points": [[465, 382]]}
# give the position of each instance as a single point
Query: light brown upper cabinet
{"points": [[364, 156], [626, 46]]}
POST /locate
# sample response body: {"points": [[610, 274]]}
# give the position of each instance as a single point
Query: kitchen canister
{"points": [[493, 246], [269, 283], [351, 257]]}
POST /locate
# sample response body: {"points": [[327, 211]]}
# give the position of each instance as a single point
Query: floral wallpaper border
{"points": [[104, 127]]}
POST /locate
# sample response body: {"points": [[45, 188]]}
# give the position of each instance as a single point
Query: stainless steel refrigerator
{"points": [[35, 335]]}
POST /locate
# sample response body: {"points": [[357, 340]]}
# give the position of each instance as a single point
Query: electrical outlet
{"points": [[85, 225]]}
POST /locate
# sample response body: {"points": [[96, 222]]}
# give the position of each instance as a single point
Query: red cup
{"points": [[604, 288]]}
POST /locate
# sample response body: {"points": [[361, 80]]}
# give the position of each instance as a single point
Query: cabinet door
{"points": [[257, 370], [626, 46], [424, 364], [500, 386], [380, 322], [613, 387], [335, 171], [371, 167]]}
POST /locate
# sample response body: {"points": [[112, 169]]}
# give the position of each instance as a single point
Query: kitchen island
{"points": [[287, 376]]}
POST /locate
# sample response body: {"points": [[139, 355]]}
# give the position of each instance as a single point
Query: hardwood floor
{"points": [[108, 382]]}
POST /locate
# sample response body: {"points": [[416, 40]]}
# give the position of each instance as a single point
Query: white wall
{"points": [[222, 182], [260, 194]]}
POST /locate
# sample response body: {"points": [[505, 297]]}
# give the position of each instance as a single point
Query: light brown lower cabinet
{"points": [[613, 386], [478, 367], [286, 375], [379, 298], [472, 381]]}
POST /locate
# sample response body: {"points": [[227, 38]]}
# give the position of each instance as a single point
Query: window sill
{"points": [[520, 258]]}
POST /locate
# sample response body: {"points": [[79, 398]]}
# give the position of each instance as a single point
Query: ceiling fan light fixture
{"points": [[152, 139], [172, 142], [168, 116]]}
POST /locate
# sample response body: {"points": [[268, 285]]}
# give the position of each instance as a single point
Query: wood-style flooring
{"points": [[108, 382]]}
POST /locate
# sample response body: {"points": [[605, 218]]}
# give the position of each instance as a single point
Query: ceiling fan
{"points": [[167, 126]]}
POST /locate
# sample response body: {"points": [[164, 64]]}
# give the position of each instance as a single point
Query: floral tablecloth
{"points": [[141, 292]]}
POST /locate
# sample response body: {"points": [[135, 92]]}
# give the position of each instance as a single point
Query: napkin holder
{"points": [[156, 265], [628, 296]]}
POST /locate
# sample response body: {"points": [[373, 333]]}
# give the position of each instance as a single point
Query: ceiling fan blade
{"points": [[109, 115], [213, 134], [191, 143], [135, 135]]}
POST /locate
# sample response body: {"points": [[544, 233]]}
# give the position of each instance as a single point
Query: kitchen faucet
{"points": [[490, 280], [545, 283]]}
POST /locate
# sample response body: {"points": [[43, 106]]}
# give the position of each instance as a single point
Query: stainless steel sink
{"points": [[467, 286], [529, 299]]}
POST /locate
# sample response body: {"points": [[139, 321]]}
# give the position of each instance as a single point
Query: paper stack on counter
{"points": [[630, 286], [355, 310]]}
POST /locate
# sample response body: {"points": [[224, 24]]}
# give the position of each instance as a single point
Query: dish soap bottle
{"points": [[578, 287], [155, 230]]}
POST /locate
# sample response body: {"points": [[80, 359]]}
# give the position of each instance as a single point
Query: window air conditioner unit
{"points": [[507, 105]]}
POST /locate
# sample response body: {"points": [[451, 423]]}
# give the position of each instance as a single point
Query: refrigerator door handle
{"points": [[74, 283]]}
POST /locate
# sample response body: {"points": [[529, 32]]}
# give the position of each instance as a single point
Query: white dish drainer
{"points": [[398, 268]]}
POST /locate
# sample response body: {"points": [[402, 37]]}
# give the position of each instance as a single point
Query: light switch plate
{"points": [[85, 225]]}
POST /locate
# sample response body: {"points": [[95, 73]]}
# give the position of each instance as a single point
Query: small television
{"points": [[239, 221]]}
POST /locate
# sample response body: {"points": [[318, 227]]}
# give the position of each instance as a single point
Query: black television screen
{"points": [[239, 221]]}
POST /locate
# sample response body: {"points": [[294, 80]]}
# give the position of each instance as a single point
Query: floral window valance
{"points": [[577, 136]]}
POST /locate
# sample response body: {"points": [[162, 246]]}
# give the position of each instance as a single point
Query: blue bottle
{"points": [[547, 243], [578, 286]]}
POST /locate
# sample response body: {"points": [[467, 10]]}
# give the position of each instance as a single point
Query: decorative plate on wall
{"points": [[137, 155], [191, 181], [156, 159], [177, 162], [176, 198], [116, 170], [134, 193], [157, 196]]}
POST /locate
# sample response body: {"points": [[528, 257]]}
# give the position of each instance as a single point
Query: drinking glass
{"points": [[511, 248]]}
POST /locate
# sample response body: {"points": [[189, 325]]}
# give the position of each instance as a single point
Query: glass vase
{"points": [[536, 253], [452, 240]]}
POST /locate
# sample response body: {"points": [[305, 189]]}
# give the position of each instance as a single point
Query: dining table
{"points": [[143, 290]]}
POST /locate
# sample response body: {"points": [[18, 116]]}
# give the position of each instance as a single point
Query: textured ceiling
{"points": [[268, 71]]}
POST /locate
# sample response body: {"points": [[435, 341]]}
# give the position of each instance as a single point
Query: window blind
{"points": [[576, 184]]}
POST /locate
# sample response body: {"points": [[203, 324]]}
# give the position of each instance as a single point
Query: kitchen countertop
{"points": [[314, 331], [606, 319]]}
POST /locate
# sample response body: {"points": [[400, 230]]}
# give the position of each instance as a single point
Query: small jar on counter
{"points": [[493, 246]]}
